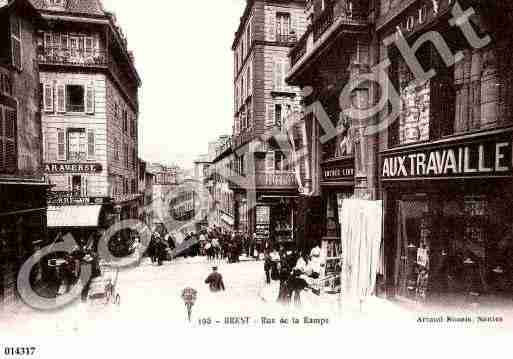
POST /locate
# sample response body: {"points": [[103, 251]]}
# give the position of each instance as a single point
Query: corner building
{"points": [[90, 108]]}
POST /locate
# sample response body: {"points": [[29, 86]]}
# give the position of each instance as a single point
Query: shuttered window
{"points": [[134, 159], [270, 159], [116, 149], [61, 144], [16, 50], [91, 143], [89, 99], [61, 98], [8, 143], [269, 119], [48, 97]]}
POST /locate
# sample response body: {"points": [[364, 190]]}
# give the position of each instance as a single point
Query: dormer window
{"points": [[55, 3]]}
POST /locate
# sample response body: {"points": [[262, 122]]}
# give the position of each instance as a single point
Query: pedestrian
{"points": [[297, 281], [215, 281], [267, 267]]}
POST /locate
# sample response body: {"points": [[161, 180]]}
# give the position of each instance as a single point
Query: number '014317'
{"points": [[19, 351]]}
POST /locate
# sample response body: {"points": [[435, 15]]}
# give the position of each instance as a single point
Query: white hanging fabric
{"points": [[361, 229]]}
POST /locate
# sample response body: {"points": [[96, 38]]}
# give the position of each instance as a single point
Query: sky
{"points": [[183, 54]]}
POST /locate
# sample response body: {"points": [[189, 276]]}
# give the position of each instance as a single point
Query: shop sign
{"points": [[263, 222], [227, 219], [72, 199], [342, 170], [423, 13], [63, 168], [485, 157]]}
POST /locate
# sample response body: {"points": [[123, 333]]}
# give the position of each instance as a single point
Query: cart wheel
{"points": [[117, 301]]}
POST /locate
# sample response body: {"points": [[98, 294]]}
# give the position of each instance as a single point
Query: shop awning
{"points": [[73, 216]]}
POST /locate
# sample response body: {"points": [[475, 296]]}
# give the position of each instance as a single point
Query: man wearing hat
{"points": [[215, 281]]}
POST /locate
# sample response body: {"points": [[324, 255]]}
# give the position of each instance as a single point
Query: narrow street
{"points": [[151, 296]]}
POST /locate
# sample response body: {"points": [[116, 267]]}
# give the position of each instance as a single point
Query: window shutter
{"points": [[2, 142], [89, 98], [286, 69], [293, 26], [10, 143], [47, 40], [91, 143], [61, 98], [64, 42], [61, 145], [270, 158], [48, 97], [269, 120], [271, 36]]}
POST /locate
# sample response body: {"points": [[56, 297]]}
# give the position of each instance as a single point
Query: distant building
{"points": [[221, 201]]}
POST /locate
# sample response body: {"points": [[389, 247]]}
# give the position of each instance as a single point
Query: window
{"points": [[8, 140], [281, 162], [248, 81], [55, 2], [116, 149], [90, 144], [16, 49], [77, 145], [88, 46], [133, 128], [74, 95], [248, 36], [125, 120], [76, 185], [249, 113], [134, 159], [127, 155], [280, 67], [48, 97], [5, 84], [277, 115], [282, 27], [61, 144], [116, 112]]}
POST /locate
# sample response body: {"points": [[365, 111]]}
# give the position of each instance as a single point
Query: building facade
{"points": [[437, 154], [89, 111], [166, 181], [262, 100], [340, 163], [146, 181], [22, 185], [445, 166], [221, 207]]}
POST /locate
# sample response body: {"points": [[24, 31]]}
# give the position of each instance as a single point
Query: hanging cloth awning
{"points": [[73, 216]]}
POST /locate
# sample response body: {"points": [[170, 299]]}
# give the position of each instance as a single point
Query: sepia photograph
{"points": [[173, 171]]}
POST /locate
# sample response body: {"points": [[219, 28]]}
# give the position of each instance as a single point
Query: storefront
{"points": [[337, 185], [22, 231], [275, 222], [83, 217], [449, 232]]}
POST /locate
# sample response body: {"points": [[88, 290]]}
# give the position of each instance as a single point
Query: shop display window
{"points": [[454, 250]]}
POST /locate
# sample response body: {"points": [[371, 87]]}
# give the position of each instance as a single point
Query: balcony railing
{"points": [[300, 49], [334, 15], [323, 22], [75, 57], [289, 39], [276, 180]]}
